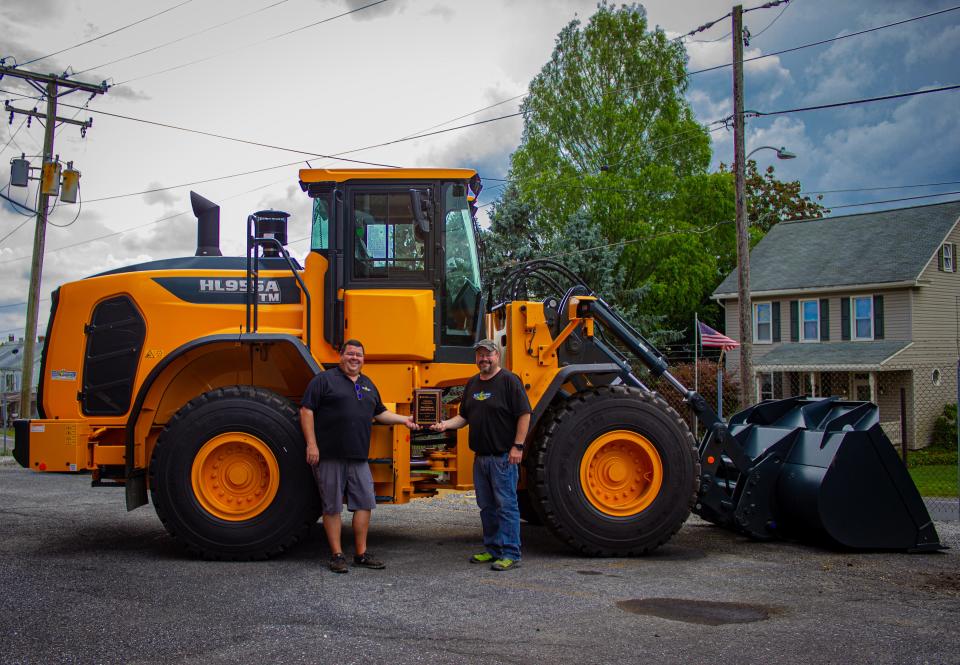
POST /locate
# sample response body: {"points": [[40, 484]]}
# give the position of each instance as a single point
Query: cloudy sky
{"points": [[300, 76]]}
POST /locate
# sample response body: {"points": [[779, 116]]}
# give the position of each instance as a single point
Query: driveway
{"points": [[83, 581]]}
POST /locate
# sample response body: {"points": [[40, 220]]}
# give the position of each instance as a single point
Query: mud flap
{"points": [[136, 490]]}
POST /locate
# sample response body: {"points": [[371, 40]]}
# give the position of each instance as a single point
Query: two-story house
{"points": [[864, 306], [11, 377]]}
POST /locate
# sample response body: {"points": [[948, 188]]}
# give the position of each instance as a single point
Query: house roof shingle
{"points": [[854, 356], [890, 246]]}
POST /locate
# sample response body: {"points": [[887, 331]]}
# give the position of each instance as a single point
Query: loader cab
{"points": [[402, 259]]}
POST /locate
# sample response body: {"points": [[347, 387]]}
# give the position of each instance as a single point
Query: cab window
{"points": [[461, 299], [386, 242], [320, 229]]}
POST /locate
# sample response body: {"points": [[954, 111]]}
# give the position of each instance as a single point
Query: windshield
{"points": [[461, 301]]}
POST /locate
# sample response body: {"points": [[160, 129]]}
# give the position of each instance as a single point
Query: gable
{"points": [[891, 246]]}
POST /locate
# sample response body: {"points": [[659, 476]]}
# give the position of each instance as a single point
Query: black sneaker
{"points": [[338, 563], [366, 561]]}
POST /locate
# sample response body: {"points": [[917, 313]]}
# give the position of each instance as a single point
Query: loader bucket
{"points": [[817, 470]]}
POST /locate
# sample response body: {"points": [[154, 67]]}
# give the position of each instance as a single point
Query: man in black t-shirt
{"points": [[497, 410], [340, 404]]}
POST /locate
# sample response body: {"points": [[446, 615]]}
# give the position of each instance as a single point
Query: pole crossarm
{"points": [[86, 124], [59, 81]]}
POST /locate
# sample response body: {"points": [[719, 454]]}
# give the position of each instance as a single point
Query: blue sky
{"points": [[403, 66]]}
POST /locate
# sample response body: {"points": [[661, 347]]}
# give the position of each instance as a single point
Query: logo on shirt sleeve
{"points": [[482, 395]]}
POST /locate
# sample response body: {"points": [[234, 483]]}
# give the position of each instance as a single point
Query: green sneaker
{"points": [[505, 564], [483, 557]]}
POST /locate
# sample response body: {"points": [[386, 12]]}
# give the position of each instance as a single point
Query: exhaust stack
{"points": [[208, 225]]}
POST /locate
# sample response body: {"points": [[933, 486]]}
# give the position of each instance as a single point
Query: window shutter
{"points": [[775, 320], [794, 320], [953, 252], [824, 319], [878, 317], [940, 259], [845, 319]]}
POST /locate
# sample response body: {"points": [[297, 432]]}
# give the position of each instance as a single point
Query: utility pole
{"points": [[743, 236], [52, 89]]}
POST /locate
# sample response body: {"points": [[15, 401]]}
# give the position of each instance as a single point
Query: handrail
{"points": [[253, 277]]}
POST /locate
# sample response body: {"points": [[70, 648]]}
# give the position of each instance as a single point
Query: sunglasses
{"points": [[356, 387]]}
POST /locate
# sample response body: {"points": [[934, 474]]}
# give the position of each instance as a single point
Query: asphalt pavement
{"points": [[83, 581]]}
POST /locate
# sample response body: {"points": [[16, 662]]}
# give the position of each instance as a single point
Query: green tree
{"points": [[608, 132], [515, 238], [610, 137]]}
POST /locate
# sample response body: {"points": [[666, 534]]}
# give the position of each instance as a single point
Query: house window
{"points": [[762, 326], [809, 321], [862, 317], [948, 258], [765, 385]]}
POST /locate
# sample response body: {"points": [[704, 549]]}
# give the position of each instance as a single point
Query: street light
{"points": [[743, 276], [782, 153]]}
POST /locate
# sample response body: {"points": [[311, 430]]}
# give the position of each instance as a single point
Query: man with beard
{"points": [[497, 410]]}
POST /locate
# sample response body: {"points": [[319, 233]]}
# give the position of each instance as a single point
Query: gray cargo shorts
{"points": [[339, 479]]}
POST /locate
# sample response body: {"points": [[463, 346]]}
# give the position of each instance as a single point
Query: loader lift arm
{"points": [[818, 470]]}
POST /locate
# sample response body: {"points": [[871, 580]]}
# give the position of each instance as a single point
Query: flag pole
{"points": [[696, 365], [696, 345]]}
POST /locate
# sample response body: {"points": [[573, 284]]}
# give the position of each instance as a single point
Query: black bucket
{"points": [[820, 471]]}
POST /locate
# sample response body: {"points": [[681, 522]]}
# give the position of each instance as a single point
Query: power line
{"points": [[420, 136], [231, 138], [14, 134], [195, 182], [106, 34], [905, 198], [246, 47], [827, 41], [180, 39], [851, 102], [770, 24], [336, 156], [872, 189], [140, 226]]}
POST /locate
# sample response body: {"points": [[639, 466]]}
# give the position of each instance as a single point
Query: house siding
{"points": [[935, 312], [935, 334]]}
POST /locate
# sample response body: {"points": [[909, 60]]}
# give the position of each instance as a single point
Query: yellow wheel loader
{"points": [[179, 379]]}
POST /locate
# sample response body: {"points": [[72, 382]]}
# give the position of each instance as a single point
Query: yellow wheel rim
{"points": [[621, 473], [235, 476]]}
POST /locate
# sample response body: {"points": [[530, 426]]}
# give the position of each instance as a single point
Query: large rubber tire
{"points": [[615, 471], [228, 476]]}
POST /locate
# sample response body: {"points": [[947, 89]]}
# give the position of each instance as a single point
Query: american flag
{"points": [[710, 337]]}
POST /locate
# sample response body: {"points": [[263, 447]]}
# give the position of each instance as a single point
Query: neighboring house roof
{"points": [[891, 246], [854, 356], [11, 359]]}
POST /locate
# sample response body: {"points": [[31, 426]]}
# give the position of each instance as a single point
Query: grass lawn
{"points": [[935, 479]]}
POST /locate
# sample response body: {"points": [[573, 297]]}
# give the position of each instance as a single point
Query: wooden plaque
{"points": [[427, 406]]}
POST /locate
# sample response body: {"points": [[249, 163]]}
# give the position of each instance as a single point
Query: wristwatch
{"points": [[518, 446]]}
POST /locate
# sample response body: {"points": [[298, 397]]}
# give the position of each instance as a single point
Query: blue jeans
{"points": [[495, 480]]}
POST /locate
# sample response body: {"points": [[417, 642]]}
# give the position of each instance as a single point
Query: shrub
{"points": [[945, 428]]}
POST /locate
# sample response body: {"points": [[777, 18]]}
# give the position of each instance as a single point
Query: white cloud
{"points": [[165, 197]]}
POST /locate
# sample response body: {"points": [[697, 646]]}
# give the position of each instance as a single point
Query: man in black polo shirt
{"points": [[340, 404], [496, 407]]}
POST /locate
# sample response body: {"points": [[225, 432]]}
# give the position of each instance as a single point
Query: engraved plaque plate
{"points": [[427, 406]]}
